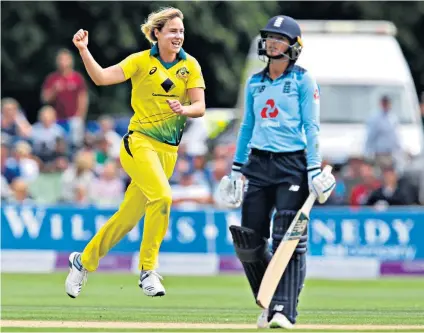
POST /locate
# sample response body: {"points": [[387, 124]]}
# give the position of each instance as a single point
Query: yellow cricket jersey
{"points": [[153, 82]]}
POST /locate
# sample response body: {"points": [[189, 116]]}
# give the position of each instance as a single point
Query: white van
{"points": [[355, 64]]}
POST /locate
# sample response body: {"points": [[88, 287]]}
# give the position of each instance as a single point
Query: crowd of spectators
{"points": [[61, 160]]}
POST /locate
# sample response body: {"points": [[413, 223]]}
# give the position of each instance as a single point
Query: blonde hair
{"points": [[23, 147], [157, 20], [84, 160]]}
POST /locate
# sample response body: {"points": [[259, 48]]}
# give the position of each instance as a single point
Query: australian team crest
{"points": [[182, 73]]}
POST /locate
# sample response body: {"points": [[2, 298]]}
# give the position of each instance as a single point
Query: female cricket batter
{"points": [[167, 87], [281, 128]]}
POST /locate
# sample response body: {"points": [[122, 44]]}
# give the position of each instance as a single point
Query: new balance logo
{"points": [[278, 307], [294, 188]]}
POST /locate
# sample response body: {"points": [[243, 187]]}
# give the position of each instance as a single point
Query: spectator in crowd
{"points": [[361, 192], [8, 171], [219, 168], [107, 125], [351, 172], [5, 189], [101, 153], [183, 165], [65, 90], [221, 152], [59, 159], [393, 191], [45, 134], [22, 163], [14, 124], [190, 196], [201, 173], [19, 193], [81, 196], [78, 174], [382, 142], [89, 141], [108, 189]]}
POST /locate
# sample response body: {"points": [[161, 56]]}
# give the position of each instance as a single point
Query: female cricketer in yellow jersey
{"points": [[167, 87]]}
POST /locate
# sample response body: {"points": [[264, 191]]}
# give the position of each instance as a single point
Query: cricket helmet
{"points": [[286, 27]]}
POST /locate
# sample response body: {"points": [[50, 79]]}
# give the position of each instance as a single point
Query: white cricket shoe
{"points": [[262, 321], [150, 283], [280, 321], [77, 276]]}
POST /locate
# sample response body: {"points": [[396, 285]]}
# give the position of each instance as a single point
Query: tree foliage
{"points": [[218, 34]]}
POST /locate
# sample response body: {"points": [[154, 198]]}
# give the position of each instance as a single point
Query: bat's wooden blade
{"points": [[274, 272]]}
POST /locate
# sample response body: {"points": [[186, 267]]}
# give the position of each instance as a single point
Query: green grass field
{"points": [[204, 300]]}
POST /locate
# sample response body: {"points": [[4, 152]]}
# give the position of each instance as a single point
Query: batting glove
{"points": [[321, 183], [231, 188]]}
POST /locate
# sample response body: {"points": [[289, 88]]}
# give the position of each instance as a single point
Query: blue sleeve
{"points": [[246, 129], [310, 110]]}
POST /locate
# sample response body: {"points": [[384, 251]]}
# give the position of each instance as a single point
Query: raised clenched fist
{"points": [[81, 39]]}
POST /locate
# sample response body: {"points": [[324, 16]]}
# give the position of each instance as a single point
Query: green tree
{"points": [[218, 34]]}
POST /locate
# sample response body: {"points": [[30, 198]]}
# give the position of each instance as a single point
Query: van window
{"points": [[350, 103]]}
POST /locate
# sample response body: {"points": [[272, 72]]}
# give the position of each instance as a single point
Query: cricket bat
{"points": [[284, 252]]}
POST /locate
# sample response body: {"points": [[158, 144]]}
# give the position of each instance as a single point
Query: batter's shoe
{"points": [[77, 276], [280, 321], [150, 283]]}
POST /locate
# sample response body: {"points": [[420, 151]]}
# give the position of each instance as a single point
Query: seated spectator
{"points": [[201, 173], [78, 174], [22, 163], [101, 153], [183, 165], [45, 134], [361, 192], [393, 191], [108, 190], [13, 122], [20, 194], [351, 172], [188, 196], [11, 171], [107, 125], [221, 151], [6, 193], [81, 196], [60, 157], [219, 168]]}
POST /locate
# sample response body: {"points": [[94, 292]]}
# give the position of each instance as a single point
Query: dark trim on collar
{"points": [[154, 51], [265, 71]]}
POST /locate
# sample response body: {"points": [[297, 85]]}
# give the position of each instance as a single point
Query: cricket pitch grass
{"points": [[114, 303]]}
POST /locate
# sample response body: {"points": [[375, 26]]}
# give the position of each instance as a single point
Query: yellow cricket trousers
{"points": [[150, 164]]}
